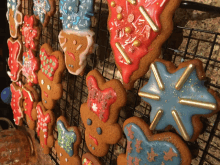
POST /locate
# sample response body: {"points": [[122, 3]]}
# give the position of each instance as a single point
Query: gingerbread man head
{"points": [[50, 75], [100, 113]]}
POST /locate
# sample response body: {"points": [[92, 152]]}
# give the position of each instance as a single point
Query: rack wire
{"points": [[207, 148]]}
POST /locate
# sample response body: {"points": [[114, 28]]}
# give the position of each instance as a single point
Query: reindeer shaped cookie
{"points": [[49, 75], [100, 113]]}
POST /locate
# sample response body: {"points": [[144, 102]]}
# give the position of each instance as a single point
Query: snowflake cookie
{"points": [[178, 97]]}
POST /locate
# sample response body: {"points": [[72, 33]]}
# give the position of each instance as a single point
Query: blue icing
{"points": [[11, 4], [193, 89], [6, 95], [66, 138], [41, 7], [76, 14], [159, 147]]}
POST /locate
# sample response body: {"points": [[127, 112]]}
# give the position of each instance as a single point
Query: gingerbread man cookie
{"points": [[137, 31], [44, 9], [16, 103], [30, 67], [15, 59], [50, 75], [76, 38], [30, 100], [178, 97], [14, 16], [145, 148], [100, 113], [67, 145], [31, 32], [89, 159], [45, 123]]}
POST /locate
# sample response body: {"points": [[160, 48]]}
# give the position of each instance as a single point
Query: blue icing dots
{"points": [[193, 89], [11, 4], [41, 7], [76, 14], [66, 138], [151, 152]]}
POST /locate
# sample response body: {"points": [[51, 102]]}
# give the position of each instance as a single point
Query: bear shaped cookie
{"points": [[100, 113]]}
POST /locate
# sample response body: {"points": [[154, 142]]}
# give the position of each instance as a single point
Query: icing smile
{"points": [[94, 139], [45, 94], [71, 55]]}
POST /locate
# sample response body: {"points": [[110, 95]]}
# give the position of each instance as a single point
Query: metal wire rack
{"points": [[207, 148]]}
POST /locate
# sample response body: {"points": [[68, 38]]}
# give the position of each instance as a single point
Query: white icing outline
{"points": [[19, 54], [82, 57], [18, 104], [15, 18]]}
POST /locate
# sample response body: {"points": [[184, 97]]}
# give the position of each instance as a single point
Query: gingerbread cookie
{"points": [[30, 100], [14, 16], [16, 103], [31, 32], [145, 148], [45, 123], [15, 59], [100, 113], [67, 145], [44, 9], [30, 67], [89, 159], [178, 97], [137, 31], [50, 75]]}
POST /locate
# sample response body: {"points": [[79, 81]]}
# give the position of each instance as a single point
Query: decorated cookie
{"points": [[30, 67], [16, 103], [67, 145], [31, 32], [178, 97], [44, 9], [137, 31], [89, 159], [76, 14], [14, 16], [145, 148], [76, 46], [14, 60], [50, 75], [45, 123], [100, 113], [30, 100]]}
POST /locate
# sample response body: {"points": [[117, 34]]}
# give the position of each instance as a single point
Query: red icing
{"points": [[49, 64], [30, 66], [94, 139], [87, 162], [15, 104], [13, 63], [71, 55], [29, 32], [130, 132], [42, 122], [28, 96], [140, 30], [99, 101], [45, 94]]}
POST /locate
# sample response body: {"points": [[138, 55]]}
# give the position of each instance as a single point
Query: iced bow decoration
{"points": [[42, 123], [76, 14], [99, 101], [49, 64]]}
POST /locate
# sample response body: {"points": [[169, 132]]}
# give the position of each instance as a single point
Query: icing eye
{"points": [[48, 87], [89, 121], [99, 130], [42, 82]]}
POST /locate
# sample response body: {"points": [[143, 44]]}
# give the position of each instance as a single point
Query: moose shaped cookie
{"points": [[50, 75], [14, 16], [45, 123], [67, 145], [100, 113], [30, 100], [145, 148]]}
